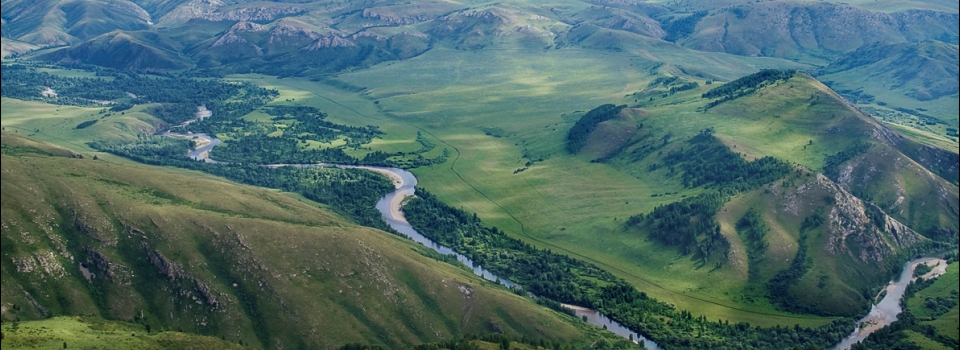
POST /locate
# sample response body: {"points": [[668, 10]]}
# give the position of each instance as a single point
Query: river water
{"points": [[881, 314], [887, 310], [389, 208]]}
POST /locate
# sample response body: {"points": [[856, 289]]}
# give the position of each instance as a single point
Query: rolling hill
{"points": [[808, 31], [67, 22], [139, 51], [166, 249], [13, 47], [782, 198], [855, 218], [924, 71]]}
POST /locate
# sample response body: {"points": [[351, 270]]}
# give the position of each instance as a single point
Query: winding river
{"points": [[881, 314], [389, 207], [887, 310]]}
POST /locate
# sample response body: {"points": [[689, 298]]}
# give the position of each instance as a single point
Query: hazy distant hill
{"points": [[924, 71], [806, 30], [14, 47], [66, 22], [125, 51]]}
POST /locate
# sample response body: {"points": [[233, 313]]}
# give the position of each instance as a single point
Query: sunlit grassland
{"points": [[947, 324], [564, 203], [926, 137], [334, 271], [58, 124], [65, 332], [74, 73], [341, 106], [791, 121]]}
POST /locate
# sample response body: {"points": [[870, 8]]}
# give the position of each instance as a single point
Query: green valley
{"points": [[726, 174]]}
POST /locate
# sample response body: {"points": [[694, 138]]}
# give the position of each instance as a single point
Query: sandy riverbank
{"points": [[396, 202], [394, 177]]}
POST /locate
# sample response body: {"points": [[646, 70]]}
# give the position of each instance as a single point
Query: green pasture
{"points": [[336, 272], [502, 109], [65, 332], [74, 73], [946, 324], [58, 124]]}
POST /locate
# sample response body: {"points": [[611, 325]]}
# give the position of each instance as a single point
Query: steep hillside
{"points": [[14, 47], [65, 22], [158, 8], [295, 46], [820, 250], [864, 156], [171, 249], [778, 232], [911, 84], [477, 28], [124, 51]]}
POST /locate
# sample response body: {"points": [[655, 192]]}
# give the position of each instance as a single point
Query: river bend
{"points": [[881, 314]]}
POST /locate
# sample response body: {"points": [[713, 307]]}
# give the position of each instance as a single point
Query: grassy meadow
{"points": [[499, 120], [949, 323], [349, 283], [504, 115], [58, 124], [64, 332]]}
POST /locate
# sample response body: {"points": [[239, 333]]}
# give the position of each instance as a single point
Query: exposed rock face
{"points": [[100, 265], [246, 26], [638, 6], [394, 18], [328, 42], [486, 22], [285, 30], [175, 273], [851, 229], [229, 38], [207, 9]]}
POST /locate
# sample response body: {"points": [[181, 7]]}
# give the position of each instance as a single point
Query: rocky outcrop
{"points": [[328, 42], [98, 265], [285, 30], [616, 19], [395, 19], [229, 38], [851, 223], [246, 26], [208, 10], [175, 274]]}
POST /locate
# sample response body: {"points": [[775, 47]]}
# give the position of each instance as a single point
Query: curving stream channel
{"points": [[389, 207], [881, 314], [887, 310]]}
